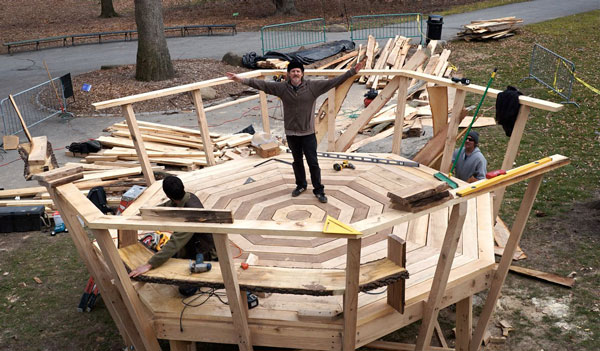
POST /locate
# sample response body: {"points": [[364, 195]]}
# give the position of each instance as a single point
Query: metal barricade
{"points": [[292, 34], [552, 71], [36, 104], [409, 25]]}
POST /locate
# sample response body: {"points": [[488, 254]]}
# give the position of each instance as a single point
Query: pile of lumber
{"points": [[272, 64], [490, 29], [169, 145]]}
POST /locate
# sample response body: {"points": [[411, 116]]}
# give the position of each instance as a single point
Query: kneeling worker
{"points": [[181, 244], [471, 165]]}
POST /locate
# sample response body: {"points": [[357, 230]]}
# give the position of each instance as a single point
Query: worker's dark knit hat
{"points": [[473, 134], [173, 188], [295, 64]]}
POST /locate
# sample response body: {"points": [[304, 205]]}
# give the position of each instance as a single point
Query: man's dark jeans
{"points": [[307, 145]]}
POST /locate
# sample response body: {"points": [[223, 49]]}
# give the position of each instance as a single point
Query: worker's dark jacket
{"points": [[298, 102], [186, 244]]}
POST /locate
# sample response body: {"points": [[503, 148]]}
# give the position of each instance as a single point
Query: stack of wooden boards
{"points": [[421, 196], [170, 145], [490, 29]]}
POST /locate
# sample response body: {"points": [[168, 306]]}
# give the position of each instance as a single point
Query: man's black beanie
{"points": [[295, 64]]}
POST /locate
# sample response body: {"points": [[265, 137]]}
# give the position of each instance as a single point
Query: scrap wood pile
{"points": [[490, 29], [116, 167]]}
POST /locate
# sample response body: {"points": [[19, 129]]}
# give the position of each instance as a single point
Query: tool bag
{"points": [[507, 109], [97, 196]]}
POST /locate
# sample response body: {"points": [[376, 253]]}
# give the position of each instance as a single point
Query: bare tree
{"points": [[285, 7], [108, 10], [153, 58]]}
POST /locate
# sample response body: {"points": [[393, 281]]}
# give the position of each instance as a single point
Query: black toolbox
{"points": [[21, 219]]}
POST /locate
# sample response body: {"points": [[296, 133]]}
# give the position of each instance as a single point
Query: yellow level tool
{"points": [[333, 226], [509, 174]]}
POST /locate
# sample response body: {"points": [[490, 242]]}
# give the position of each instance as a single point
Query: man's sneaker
{"points": [[322, 198], [298, 191]]}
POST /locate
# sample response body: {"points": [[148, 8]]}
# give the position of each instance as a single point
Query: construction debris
{"points": [[418, 198], [497, 28]]}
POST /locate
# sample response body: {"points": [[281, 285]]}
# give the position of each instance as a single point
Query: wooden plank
{"points": [[180, 345], [440, 334], [239, 313], [503, 267], [345, 140], [438, 100], [23, 124], [434, 147], [455, 119], [549, 277], [396, 253], [264, 111], [203, 124], [339, 59], [386, 133], [187, 214], [396, 346], [399, 121], [58, 173], [95, 265], [351, 294], [442, 272], [464, 323], [10, 142], [136, 137], [331, 115], [22, 192], [37, 153], [321, 120], [511, 152]]}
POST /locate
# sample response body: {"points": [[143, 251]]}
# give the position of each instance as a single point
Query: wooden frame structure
{"points": [[145, 312]]}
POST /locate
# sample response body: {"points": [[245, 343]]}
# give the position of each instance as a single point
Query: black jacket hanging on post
{"points": [[507, 108]]}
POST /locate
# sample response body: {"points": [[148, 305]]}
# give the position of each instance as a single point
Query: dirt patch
{"points": [[120, 81]]}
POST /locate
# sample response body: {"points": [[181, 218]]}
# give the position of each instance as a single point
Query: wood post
{"points": [[511, 153], [331, 114], [351, 294], [179, 345], [264, 111], [239, 314], [122, 281], [400, 111], [396, 253], [464, 323], [442, 272], [459, 102], [112, 298], [138, 143], [502, 270], [203, 124], [126, 237]]}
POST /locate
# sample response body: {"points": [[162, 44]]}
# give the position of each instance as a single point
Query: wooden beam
{"points": [[126, 237], [464, 323], [181, 345], [331, 114], [396, 346], [351, 294], [23, 124], [400, 111], [548, 277], [321, 120], [94, 264], [203, 124], [37, 154], [440, 334], [455, 119], [122, 281], [442, 272], [138, 143], [438, 100], [505, 261], [264, 111], [188, 214], [511, 153], [396, 253], [231, 103], [236, 301]]}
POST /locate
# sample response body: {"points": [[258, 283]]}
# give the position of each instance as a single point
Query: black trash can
{"points": [[434, 27]]}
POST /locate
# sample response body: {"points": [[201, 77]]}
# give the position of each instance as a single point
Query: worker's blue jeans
{"points": [[306, 145]]}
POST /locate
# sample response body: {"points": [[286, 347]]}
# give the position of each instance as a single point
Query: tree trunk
{"points": [[285, 7], [153, 58], [107, 10]]}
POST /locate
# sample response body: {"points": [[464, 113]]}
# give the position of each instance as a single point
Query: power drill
{"points": [[338, 166], [199, 266]]}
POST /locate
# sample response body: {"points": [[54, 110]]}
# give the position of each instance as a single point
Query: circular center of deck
{"points": [[298, 215]]}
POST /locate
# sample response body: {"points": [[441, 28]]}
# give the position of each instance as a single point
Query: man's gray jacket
{"points": [[473, 165], [298, 102]]}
